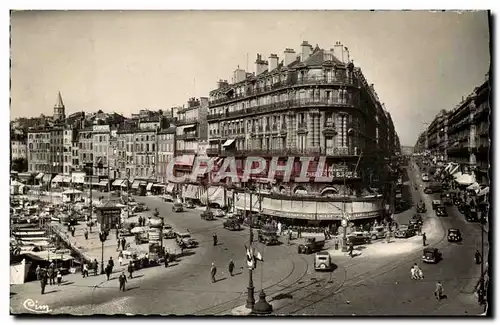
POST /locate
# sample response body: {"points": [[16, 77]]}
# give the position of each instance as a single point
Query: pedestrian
{"points": [[130, 269], [73, 231], [289, 237], [299, 232], [124, 241], [95, 266], [59, 277], [231, 267], [214, 236], [37, 272], [85, 270], [118, 244], [213, 272], [50, 275], [111, 263], [86, 234], [424, 238], [122, 279], [108, 271], [120, 258], [43, 280], [140, 221], [336, 242], [438, 293], [351, 249]]}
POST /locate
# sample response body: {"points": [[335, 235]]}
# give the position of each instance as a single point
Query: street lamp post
{"points": [[250, 289], [102, 238]]}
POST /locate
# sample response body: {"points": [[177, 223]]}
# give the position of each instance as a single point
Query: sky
{"points": [[420, 62]]}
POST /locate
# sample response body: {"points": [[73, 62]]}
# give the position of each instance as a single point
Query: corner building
{"points": [[314, 103]]}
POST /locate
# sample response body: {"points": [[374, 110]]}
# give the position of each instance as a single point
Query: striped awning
{"points": [[148, 188], [170, 188], [58, 179], [39, 176], [47, 178], [103, 183], [136, 184], [191, 192], [215, 195]]}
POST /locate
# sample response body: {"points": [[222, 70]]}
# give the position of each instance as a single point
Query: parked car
{"points": [[404, 231], [231, 224], [421, 208], [454, 235], [311, 245], [168, 232], [378, 232], [431, 255], [358, 238], [441, 211], [435, 204], [425, 177], [207, 215], [189, 204], [178, 207]]}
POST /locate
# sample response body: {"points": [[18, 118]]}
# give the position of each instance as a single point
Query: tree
{"points": [[19, 165]]}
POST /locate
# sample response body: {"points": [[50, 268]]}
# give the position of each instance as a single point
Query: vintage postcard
{"points": [[210, 163]]}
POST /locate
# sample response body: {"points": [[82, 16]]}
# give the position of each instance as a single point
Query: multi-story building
{"points": [[313, 104], [69, 138], [437, 134], [56, 148], [100, 149], [407, 150], [422, 143], [39, 151], [85, 152], [18, 147], [166, 152]]}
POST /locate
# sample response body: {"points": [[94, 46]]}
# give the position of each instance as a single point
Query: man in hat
{"points": [[213, 272]]}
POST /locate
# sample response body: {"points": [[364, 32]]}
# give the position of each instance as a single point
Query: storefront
{"points": [[108, 216]]}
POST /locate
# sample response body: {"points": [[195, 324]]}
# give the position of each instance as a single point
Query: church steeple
{"points": [[59, 108]]}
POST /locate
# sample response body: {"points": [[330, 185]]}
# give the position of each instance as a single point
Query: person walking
{"points": [[231, 267], [439, 291], [95, 266], [43, 280], [118, 245], [111, 263], [85, 270], [86, 234], [424, 239], [213, 272], [73, 231], [59, 277], [37, 272], [351, 250], [214, 237], [120, 258], [122, 279], [123, 242], [108, 271], [50, 275], [130, 269]]}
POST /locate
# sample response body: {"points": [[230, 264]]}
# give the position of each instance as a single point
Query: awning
{"points": [[187, 126], [47, 178], [170, 188], [25, 175], [136, 184], [72, 191], [457, 175], [148, 188], [57, 179], [103, 183], [191, 192], [125, 183], [39, 176], [118, 182], [484, 191], [454, 169], [159, 185], [184, 160], [228, 143], [215, 195]]}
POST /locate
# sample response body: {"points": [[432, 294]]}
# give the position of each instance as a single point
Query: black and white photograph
{"points": [[249, 163]]}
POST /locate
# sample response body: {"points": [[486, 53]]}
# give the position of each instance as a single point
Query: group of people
{"points": [[213, 270], [48, 276]]}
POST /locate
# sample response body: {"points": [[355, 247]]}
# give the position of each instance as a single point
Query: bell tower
{"points": [[59, 109]]}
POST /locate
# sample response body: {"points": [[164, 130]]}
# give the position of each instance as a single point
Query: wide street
{"points": [[375, 284]]}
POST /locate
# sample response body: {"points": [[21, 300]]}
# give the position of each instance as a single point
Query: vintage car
{"points": [[207, 215], [231, 224], [189, 204], [168, 232], [184, 240], [378, 232], [404, 231], [416, 220], [431, 255], [323, 261], [421, 208], [435, 204], [454, 235], [267, 235], [126, 231], [311, 245], [178, 207], [441, 211], [141, 207], [471, 214], [218, 213], [358, 238], [425, 177]]}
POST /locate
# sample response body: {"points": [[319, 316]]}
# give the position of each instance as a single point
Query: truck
{"points": [[311, 245]]}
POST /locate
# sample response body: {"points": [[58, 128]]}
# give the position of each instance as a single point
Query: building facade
{"points": [[18, 147], [100, 150], [39, 150], [166, 152], [313, 104], [85, 145]]}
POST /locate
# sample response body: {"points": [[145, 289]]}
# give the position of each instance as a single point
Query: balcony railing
{"points": [[331, 152], [343, 81], [282, 105]]}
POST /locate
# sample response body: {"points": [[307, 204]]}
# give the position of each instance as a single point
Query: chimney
{"points": [[260, 65], [306, 51], [273, 62], [290, 57], [239, 75], [338, 51]]}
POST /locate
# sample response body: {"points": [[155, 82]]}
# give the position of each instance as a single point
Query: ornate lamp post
{"points": [[250, 289], [102, 237]]}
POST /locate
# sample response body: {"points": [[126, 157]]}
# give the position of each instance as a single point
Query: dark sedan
{"points": [[404, 231], [454, 235], [441, 211]]}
